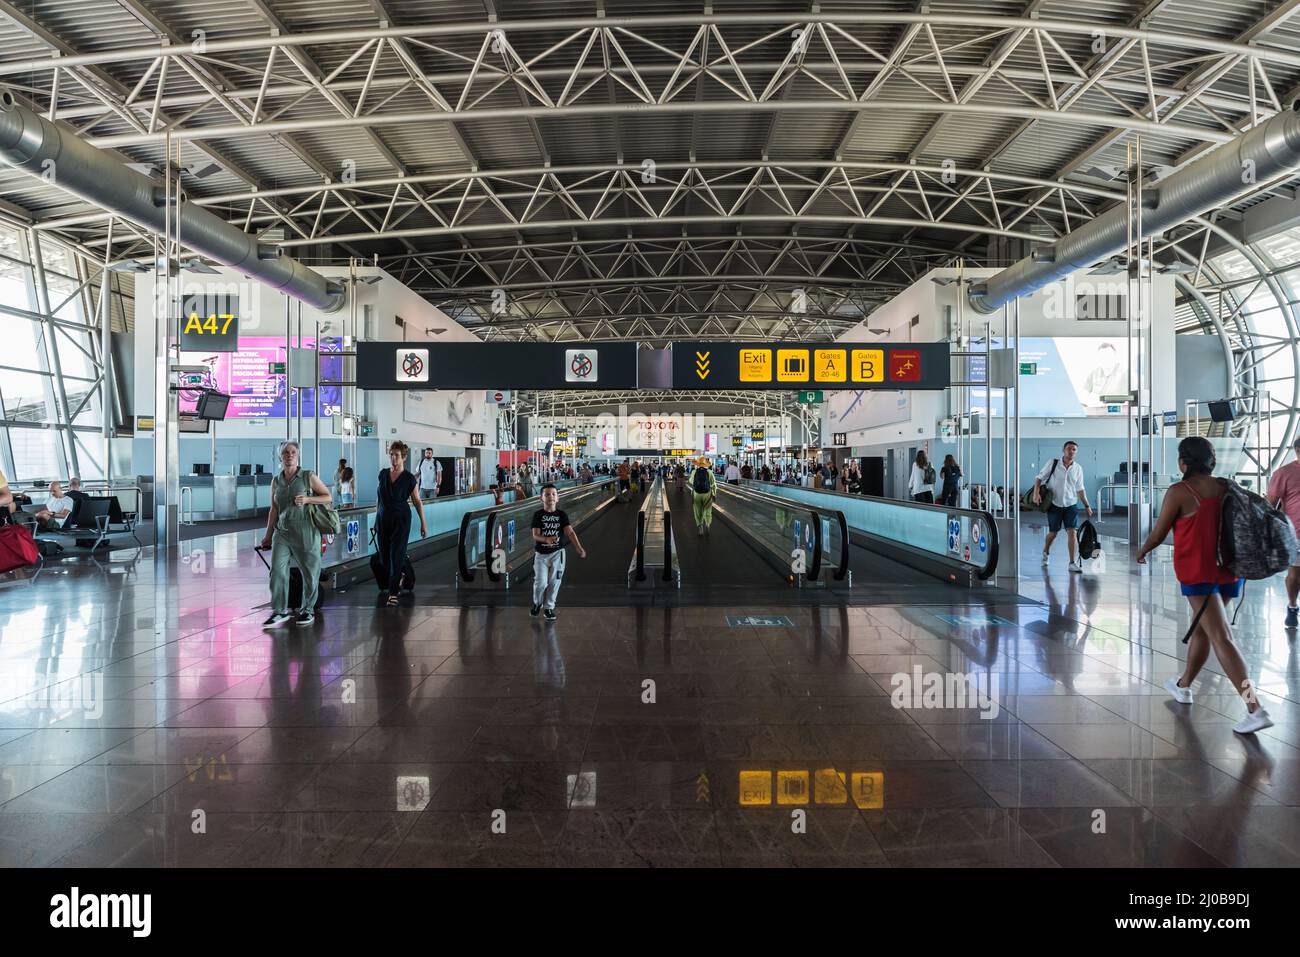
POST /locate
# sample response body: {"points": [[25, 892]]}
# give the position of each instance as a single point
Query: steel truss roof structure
{"points": [[658, 170]]}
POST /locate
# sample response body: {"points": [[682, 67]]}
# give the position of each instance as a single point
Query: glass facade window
{"points": [[46, 362]]}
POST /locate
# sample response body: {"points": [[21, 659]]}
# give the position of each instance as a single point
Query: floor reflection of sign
{"points": [[829, 787], [354, 529], [791, 787], [974, 621], [580, 365], [798, 530], [510, 535], [758, 621], [412, 793], [755, 788], [869, 789], [954, 536], [412, 365], [582, 789]]}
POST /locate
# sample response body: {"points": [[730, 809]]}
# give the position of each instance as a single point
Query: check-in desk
{"points": [[208, 498]]}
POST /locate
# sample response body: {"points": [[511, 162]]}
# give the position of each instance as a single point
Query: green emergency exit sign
{"points": [[1029, 368], [275, 368], [809, 396]]}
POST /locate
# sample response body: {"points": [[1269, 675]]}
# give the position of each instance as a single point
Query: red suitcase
{"points": [[17, 548]]}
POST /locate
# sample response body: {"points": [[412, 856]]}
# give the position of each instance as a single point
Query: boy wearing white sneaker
{"points": [[1191, 509], [1063, 479]]}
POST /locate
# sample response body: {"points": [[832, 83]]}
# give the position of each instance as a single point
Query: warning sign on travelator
{"points": [[790, 366]]}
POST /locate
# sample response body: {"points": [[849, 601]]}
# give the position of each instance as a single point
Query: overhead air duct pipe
{"points": [[1270, 150], [35, 144]]}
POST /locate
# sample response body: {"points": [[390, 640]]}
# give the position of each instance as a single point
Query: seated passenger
{"points": [[58, 507], [74, 491], [6, 496]]}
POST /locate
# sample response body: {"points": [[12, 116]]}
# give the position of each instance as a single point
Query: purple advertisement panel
{"points": [[255, 391]]}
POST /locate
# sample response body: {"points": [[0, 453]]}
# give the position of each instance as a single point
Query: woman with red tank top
{"points": [[1191, 510]]}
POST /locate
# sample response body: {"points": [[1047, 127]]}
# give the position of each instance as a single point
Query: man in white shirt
{"points": [[733, 473], [1064, 477], [56, 510], [429, 472]]}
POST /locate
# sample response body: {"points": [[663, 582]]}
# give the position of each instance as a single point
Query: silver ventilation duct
{"points": [[1269, 150], [33, 143]]}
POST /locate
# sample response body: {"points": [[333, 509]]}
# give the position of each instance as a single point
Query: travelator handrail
{"points": [[818, 517], [480, 529], [916, 519], [654, 532]]}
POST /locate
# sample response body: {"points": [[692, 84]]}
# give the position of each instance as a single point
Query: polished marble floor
{"points": [[146, 720]]}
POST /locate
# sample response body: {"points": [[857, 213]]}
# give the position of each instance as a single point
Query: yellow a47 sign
{"points": [[217, 332]]}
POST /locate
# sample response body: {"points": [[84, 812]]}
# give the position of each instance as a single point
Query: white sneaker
{"points": [[1046, 559], [1181, 695], [1253, 722], [1076, 566]]}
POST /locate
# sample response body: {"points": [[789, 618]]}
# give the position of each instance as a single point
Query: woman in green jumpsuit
{"points": [[291, 534], [702, 502]]}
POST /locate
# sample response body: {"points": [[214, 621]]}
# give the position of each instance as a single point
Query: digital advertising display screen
{"points": [[256, 392], [1058, 388]]}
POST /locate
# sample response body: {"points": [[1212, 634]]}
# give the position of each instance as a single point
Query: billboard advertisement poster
{"points": [[256, 392]]}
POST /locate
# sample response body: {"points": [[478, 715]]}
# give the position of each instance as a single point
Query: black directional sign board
{"points": [[493, 365], [797, 366]]}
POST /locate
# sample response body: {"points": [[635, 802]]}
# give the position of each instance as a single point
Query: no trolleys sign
{"points": [[791, 365]]}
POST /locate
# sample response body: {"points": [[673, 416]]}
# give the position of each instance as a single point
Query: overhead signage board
{"points": [[757, 435], [681, 453], [209, 323], [737, 441], [485, 365], [876, 365]]}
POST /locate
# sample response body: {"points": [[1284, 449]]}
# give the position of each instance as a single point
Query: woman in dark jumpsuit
{"points": [[397, 487]]}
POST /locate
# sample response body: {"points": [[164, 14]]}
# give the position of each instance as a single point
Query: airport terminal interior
{"points": [[594, 433]]}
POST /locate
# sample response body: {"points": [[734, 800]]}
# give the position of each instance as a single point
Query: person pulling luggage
{"points": [[290, 533]]}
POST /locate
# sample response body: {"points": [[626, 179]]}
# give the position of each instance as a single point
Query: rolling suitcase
{"points": [[380, 571], [295, 585]]}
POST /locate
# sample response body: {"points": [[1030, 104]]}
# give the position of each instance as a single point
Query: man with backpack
{"points": [[1060, 485], [1284, 490], [704, 488]]}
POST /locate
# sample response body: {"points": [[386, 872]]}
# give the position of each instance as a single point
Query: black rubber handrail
{"points": [[668, 543]]}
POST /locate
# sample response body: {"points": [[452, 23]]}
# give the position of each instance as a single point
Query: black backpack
{"points": [[1256, 541], [700, 480], [928, 478], [1088, 542]]}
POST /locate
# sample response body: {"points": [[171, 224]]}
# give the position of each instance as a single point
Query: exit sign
{"points": [[1029, 368], [809, 396], [275, 368]]}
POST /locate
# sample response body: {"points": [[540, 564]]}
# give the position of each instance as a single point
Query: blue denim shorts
{"points": [[1228, 590], [1058, 516]]}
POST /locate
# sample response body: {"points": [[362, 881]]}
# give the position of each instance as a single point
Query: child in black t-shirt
{"points": [[550, 528]]}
